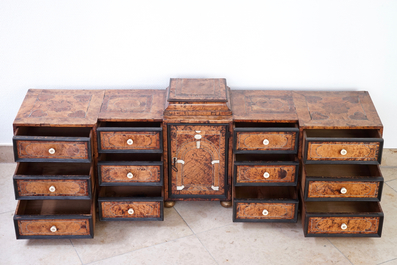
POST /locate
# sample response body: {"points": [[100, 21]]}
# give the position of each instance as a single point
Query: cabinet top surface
{"points": [[133, 104], [199, 90], [335, 109], [55, 107]]}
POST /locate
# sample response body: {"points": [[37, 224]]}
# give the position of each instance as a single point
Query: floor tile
{"points": [[393, 184], [38, 251], [115, 238], [6, 154], [389, 157], [374, 250], [203, 216], [391, 262], [389, 173], [187, 250], [7, 196], [268, 243]]}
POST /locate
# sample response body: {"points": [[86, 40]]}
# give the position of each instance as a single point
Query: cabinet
{"points": [[129, 153]]}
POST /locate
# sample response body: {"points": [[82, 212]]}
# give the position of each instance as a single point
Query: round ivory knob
{"points": [[51, 151], [265, 212], [130, 211], [53, 229], [130, 175], [52, 189], [266, 142], [266, 175], [343, 190], [130, 141], [343, 226], [343, 152]]}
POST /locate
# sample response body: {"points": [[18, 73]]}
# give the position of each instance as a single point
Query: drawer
{"points": [[265, 204], [131, 204], [266, 140], [342, 146], [52, 144], [342, 183], [44, 219], [130, 173], [130, 140], [342, 219], [262, 173], [53, 181]]}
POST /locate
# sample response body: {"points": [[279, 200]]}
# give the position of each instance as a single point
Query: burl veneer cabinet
{"points": [[129, 153]]}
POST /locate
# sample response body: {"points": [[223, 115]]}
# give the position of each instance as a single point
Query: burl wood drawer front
{"points": [[113, 173], [343, 225], [265, 174], [266, 141], [131, 210], [42, 149], [53, 188], [265, 211], [113, 140], [49, 228]]}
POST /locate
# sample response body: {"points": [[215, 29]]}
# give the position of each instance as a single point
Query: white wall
{"points": [[346, 44]]}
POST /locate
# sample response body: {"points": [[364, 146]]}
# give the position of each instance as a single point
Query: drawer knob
{"points": [[130, 175], [53, 229], [266, 142], [266, 175], [130, 211], [130, 141], [343, 226], [343, 190], [51, 151], [52, 189], [343, 152], [265, 212]]}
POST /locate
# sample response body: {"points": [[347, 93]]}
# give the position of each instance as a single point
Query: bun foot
{"points": [[169, 204], [226, 204]]}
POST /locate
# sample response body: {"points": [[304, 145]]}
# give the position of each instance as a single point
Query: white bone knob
{"points": [[265, 212], [51, 151], [130, 211], [130, 141], [130, 175], [343, 226], [343, 152], [53, 229], [266, 142], [343, 190], [52, 189], [266, 175]]}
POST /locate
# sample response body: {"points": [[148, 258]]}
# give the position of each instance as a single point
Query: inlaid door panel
{"points": [[197, 157]]}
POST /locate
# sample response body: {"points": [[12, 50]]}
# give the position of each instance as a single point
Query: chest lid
{"points": [[197, 90]]}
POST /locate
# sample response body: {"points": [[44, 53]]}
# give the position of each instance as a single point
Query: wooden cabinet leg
{"points": [[226, 204], [169, 204]]}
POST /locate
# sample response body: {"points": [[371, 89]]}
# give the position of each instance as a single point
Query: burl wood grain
{"points": [[63, 150], [141, 209], [133, 105], [332, 189], [64, 187], [332, 225], [184, 89], [141, 140], [254, 174], [203, 169], [59, 108], [253, 141], [263, 105], [64, 227], [141, 173], [356, 151], [255, 210]]}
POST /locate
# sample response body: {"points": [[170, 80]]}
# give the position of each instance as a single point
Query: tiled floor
{"points": [[201, 233]]}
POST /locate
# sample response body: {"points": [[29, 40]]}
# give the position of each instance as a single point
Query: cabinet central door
{"points": [[197, 161]]}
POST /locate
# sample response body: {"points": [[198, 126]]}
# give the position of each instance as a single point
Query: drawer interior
{"points": [[54, 131], [54, 207], [52, 169], [265, 158], [264, 125], [128, 157], [342, 171], [130, 191], [130, 124], [266, 193], [341, 133], [347, 207]]}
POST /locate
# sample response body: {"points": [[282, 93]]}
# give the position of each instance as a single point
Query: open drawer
{"points": [[42, 219], [265, 204], [342, 219], [131, 203]]}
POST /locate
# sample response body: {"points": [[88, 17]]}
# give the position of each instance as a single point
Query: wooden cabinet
{"points": [[130, 153]]}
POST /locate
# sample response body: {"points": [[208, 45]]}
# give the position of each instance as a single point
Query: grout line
{"points": [[391, 187], [340, 251], [185, 221], [386, 261], [76, 251]]}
